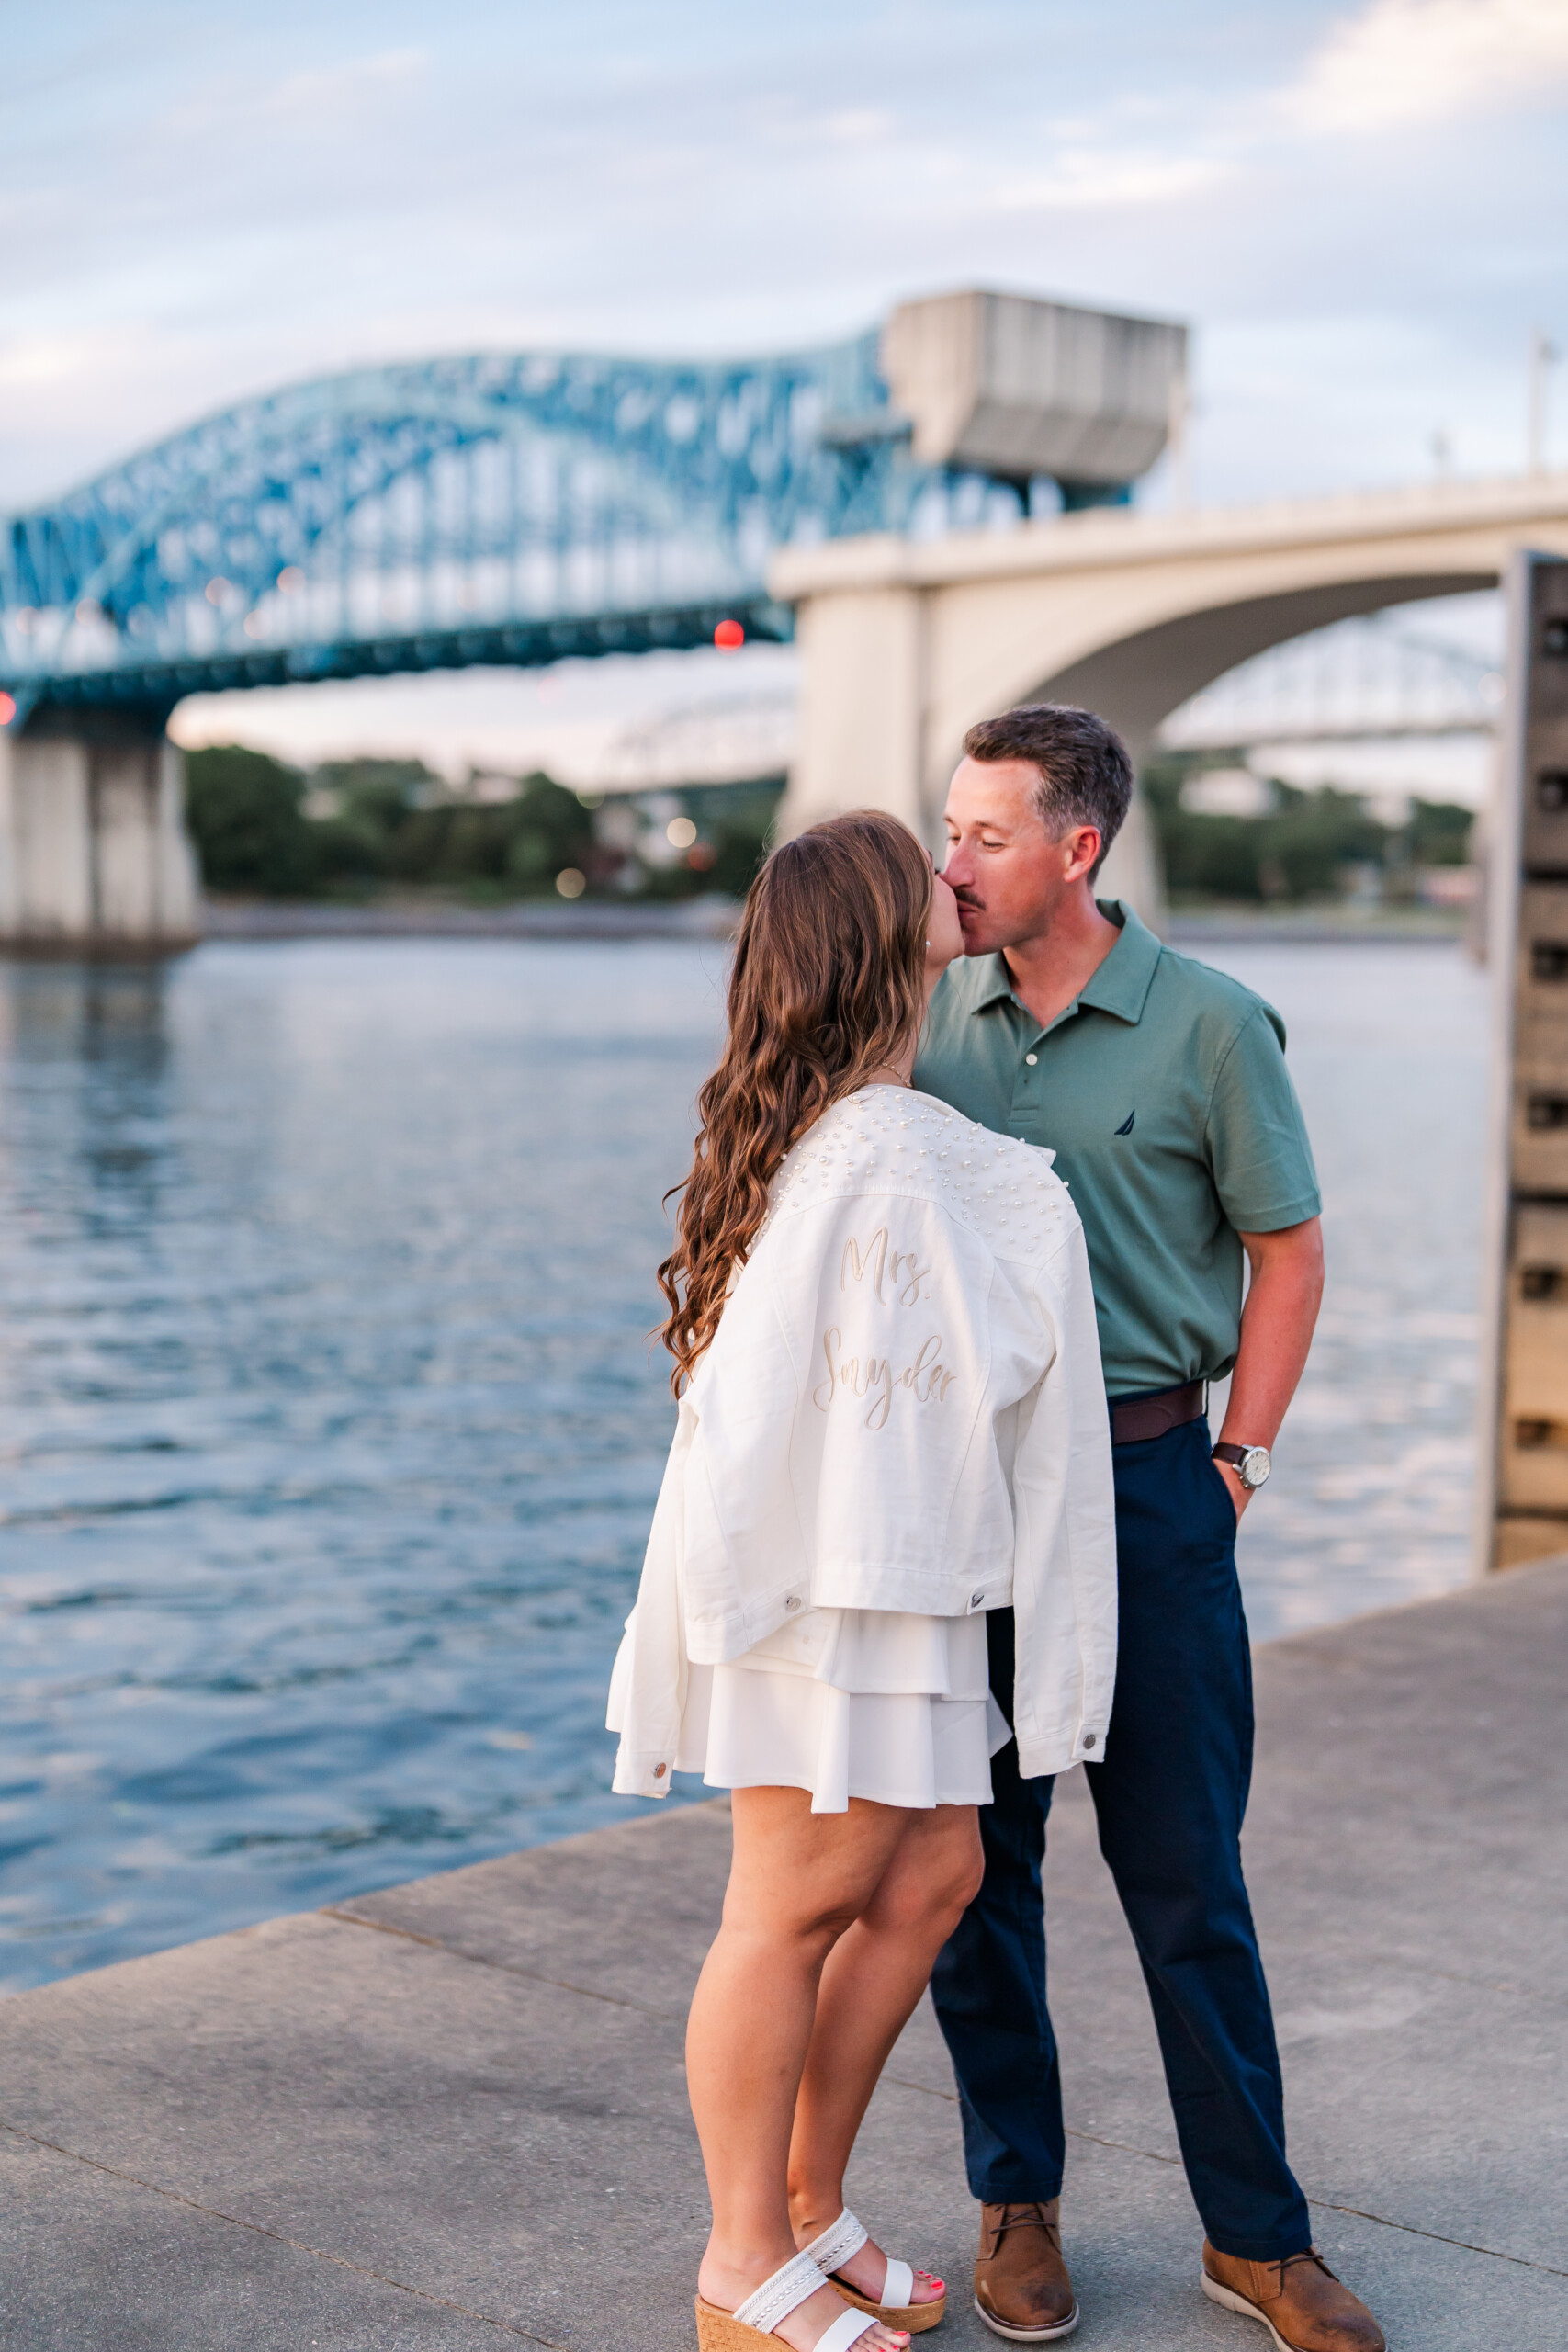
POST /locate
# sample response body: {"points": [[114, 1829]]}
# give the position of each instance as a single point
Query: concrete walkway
{"points": [[452, 2114]]}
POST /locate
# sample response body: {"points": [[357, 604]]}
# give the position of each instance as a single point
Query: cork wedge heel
{"points": [[722, 2332], [844, 2238], [752, 2324]]}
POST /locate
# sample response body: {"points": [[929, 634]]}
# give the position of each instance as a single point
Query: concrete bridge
{"points": [[906, 642]]}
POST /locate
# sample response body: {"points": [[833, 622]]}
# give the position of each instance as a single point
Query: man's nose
{"points": [[958, 869]]}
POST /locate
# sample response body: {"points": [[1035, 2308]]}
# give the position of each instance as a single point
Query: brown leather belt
{"points": [[1148, 1416]]}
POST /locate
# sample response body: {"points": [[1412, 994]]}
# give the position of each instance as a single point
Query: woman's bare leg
{"points": [[869, 1984], [798, 1881]]}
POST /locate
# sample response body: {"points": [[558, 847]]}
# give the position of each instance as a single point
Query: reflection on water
{"points": [[330, 1434]]}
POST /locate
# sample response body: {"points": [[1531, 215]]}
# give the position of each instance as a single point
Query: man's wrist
{"points": [[1251, 1463]]}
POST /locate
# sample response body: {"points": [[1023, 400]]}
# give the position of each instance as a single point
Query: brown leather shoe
{"points": [[1022, 2287], [1300, 2302]]}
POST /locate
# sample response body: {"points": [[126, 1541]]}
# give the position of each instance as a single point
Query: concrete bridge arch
{"points": [[904, 644]]}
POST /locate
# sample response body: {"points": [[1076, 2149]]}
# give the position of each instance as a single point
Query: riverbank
{"points": [[429, 916], [451, 2115]]}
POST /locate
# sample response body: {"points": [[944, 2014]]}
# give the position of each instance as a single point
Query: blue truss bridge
{"points": [[509, 508], [504, 508]]}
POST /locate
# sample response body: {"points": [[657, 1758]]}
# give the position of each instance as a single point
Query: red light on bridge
{"points": [[8, 709], [728, 636]]}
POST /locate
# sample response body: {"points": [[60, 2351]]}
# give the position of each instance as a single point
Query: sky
{"points": [[1359, 209]]}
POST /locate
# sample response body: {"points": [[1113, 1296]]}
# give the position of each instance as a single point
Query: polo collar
{"points": [[1121, 984], [994, 986]]}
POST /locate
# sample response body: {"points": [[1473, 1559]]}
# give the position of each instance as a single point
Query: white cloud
{"points": [[1084, 178], [232, 107], [854, 126], [307, 95], [1410, 62]]}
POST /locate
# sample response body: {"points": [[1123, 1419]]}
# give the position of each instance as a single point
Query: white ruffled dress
{"points": [[845, 1703]]}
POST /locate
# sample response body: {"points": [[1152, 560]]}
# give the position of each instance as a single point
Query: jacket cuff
{"points": [[643, 1775], [1041, 1753]]}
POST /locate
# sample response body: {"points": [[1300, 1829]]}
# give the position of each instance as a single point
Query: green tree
{"points": [[1438, 832], [509, 848], [377, 796], [1297, 851], [246, 819], [1311, 836]]}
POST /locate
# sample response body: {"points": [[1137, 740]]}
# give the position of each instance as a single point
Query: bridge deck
{"points": [[451, 2115]]}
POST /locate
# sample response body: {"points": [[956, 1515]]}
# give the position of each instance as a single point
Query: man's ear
{"points": [[1083, 852]]}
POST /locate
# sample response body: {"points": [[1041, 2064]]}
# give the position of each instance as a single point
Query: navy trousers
{"points": [[1169, 1796]]}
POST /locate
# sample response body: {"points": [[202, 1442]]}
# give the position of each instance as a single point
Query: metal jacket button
{"points": [[659, 1771], [1089, 1739], [793, 1601], [975, 1599]]}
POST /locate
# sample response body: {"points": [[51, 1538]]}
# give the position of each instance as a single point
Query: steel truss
{"points": [[502, 508]]}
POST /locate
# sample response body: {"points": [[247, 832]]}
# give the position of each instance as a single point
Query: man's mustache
{"points": [[969, 899]]}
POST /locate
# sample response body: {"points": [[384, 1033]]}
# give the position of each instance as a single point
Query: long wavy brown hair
{"points": [[827, 986]]}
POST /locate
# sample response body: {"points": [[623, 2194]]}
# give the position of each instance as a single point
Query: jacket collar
{"points": [[1121, 984]]}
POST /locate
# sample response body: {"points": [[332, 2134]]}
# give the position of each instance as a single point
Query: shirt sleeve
{"points": [[647, 1691], [1064, 1584], [1256, 1140]]}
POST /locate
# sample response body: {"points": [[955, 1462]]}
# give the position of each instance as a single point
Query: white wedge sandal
{"points": [[754, 2322], [896, 2309]]}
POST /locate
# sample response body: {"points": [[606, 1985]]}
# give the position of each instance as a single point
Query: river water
{"points": [[331, 1432]]}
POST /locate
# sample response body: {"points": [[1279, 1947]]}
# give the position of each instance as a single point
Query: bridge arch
{"points": [[906, 645], [1137, 682]]}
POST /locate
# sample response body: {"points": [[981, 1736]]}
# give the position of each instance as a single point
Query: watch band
{"points": [[1250, 1463]]}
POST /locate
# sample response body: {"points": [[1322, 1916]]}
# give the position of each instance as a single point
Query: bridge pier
{"points": [[94, 853]]}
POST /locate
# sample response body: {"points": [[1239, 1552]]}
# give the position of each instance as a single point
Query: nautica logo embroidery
{"points": [[1126, 1126]]}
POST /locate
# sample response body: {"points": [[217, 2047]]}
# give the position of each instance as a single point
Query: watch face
{"points": [[1254, 1466]]}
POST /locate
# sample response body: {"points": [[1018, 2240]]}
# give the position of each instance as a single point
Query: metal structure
{"points": [[1523, 1486], [737, 740], [505, 508], [1355, 682]]}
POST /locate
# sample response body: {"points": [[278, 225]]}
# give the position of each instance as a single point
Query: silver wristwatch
{"points": [[1250, 1463]]}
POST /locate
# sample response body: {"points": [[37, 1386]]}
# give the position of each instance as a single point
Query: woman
{"points": [[891, 1420]]}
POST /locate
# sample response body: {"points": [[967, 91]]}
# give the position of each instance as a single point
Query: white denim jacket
{"points": [[902, 1408]]}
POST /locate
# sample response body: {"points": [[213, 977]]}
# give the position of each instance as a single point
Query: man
{"points": [[1161, 1086]]}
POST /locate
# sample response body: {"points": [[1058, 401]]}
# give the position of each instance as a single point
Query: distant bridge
{"points": [[518, 507], [512, 509], [1356, 681]]}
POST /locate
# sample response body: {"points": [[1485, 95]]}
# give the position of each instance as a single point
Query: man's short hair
{"points": [[1086, 776]]}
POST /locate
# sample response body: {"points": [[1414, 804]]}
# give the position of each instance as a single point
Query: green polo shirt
{"points": [[1163, 1093]]}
